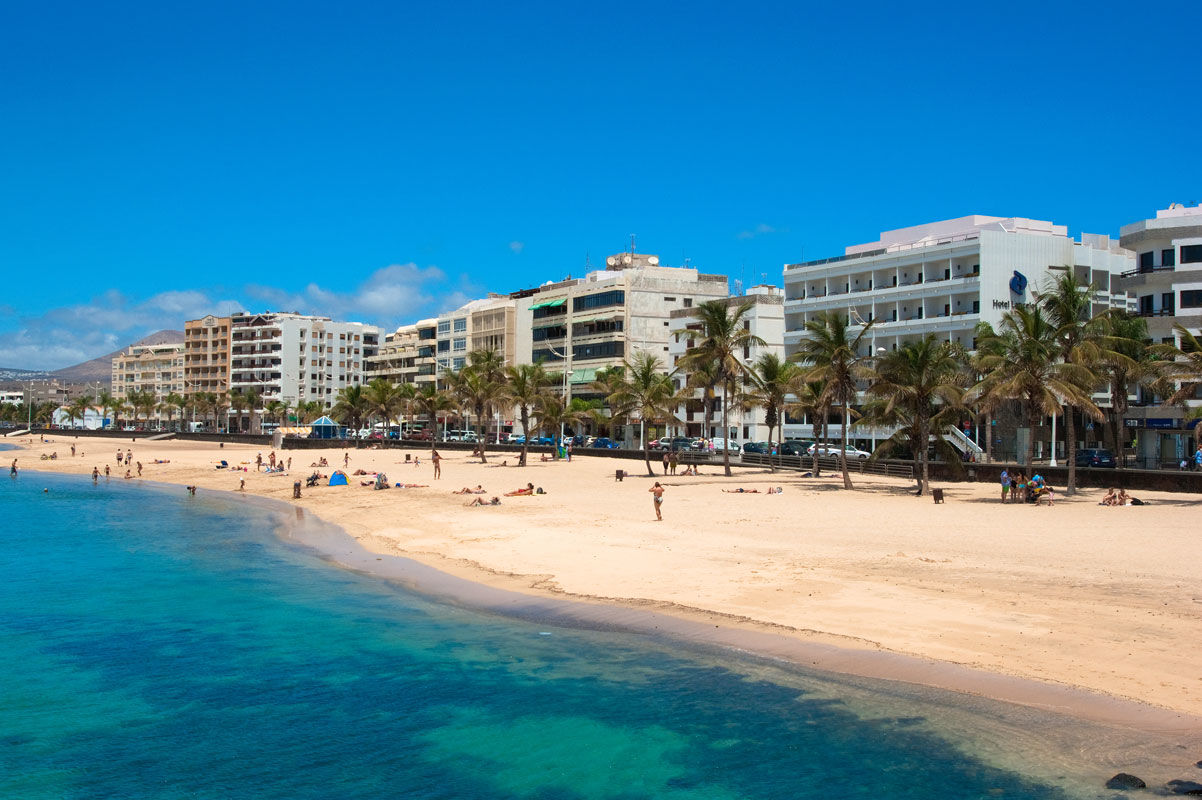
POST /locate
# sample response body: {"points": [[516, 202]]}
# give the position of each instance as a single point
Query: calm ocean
{"points": [[155, 645]]}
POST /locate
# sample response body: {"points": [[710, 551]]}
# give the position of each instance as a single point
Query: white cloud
{"points": [[759, 230], [517, 247], [68, 335]]}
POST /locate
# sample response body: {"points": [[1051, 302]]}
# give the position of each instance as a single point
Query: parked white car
{"points": [[834, 450], [718, 444]]}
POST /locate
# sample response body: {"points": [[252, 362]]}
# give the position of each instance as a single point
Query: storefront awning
{"points": [[550, 303], [617, 312], [586, 375], [302, 430]]}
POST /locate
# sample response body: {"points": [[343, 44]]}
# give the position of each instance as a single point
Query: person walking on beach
{"points": [[667, 458], [271, 459], [289, 466], [129, 456], [657, 499], [106, 470], [258, 462], [1005, 480], [12, 471], [673, 462], [118, 456], [346, 460], [568, 451], [437, 459], [72, 451], [139, 469], [95, 474]]}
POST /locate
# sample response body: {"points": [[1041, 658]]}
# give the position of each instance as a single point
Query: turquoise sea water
{"points": [[155, 645]]}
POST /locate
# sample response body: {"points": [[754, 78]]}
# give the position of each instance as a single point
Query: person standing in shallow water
{"points": [[657, 499]]}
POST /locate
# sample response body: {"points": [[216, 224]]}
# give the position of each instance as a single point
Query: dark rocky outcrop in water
{"points": [[1125, 781]]}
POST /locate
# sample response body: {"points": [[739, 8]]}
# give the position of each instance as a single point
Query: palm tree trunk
{"points": [[1070, 449], [647, 456], [525, 436], [989, 437], [819, 432], [843, 438], [726, 428], [924, 435], [1029, 450]]}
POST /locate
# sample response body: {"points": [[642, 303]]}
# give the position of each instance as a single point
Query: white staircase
{"points": [[962, 442]]}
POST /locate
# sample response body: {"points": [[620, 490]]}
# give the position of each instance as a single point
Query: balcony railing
{"points": [[1146, 270]]}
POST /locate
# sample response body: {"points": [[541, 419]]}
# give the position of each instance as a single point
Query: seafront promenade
{"points": [[1075, 595]]}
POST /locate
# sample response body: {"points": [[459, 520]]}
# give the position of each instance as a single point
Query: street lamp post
{"points": [[567, 368]]}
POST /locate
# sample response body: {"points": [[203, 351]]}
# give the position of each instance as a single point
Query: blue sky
{"points": [[383, 161]]}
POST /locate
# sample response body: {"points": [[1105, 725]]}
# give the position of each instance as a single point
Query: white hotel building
{"points": [[945, 278]]}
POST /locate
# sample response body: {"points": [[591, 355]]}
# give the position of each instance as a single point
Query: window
{"points": [[600, 300], [444, 326], [1145, 260], [1191, 298], [1191, 254], [582, 352], [669, 299], [461, 325], [1145, 304], [459, 345], [550, 332], [444, 346], [688, 302], [457, 364], [1166, 302], [545, 355], [1168, 258]]}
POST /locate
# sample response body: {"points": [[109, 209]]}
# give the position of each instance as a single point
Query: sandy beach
{"points": [[1077, 595]]}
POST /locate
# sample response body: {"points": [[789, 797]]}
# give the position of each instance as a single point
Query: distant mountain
{"points": [[100, 370]]}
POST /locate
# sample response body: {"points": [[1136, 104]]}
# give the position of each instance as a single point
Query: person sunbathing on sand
{"points": [[1110, 499], [521, 492], [741, 490], [478, 490], [161, 461], [479, 501]]}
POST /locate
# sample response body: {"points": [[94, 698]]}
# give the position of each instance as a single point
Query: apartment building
{"points": [[1166, 282], [485, 324], [765, 318], [591, 323], [154, 368], [207, 355], [288, 357], [945, 277]]}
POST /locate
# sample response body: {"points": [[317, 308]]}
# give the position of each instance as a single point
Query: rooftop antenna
{"points": [[588, 264], [632, 244], [738, 287]]}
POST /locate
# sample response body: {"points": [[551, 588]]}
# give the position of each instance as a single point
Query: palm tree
{"points": [[1080, 337], [810, 400], [351, 406], [550, 414], [834, 358], [238, 405], [915, 383], [274, 410], [527, 385], [724, 338], [1185, 368], [385, 400], [171, 404], [649, 392], [78, 408], [1022, 362], [104, 404], [429, 401], [1131, 363], [609, 383], [705, 376], [774, 378], [253, 401]]}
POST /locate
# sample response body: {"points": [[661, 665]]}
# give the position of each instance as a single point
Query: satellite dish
{"points": [[653, 260], [627, 259], [612, 261]]}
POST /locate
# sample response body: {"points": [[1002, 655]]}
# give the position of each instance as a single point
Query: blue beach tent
{"points": [[338, 478], [325, 428]]}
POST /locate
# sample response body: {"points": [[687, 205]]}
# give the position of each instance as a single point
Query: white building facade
{"points": [[293, 357], [945, 278], [765, 318], [1166, 282]]}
